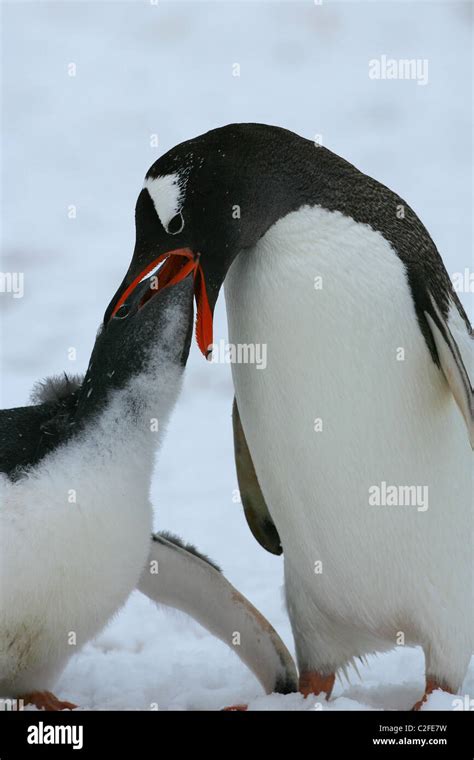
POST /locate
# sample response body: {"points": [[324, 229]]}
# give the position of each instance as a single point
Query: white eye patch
{"points": [[167, 194]]}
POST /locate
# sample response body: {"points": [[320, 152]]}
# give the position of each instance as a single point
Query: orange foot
{"points": [[312, 682], [431, 686], [44, 700]]}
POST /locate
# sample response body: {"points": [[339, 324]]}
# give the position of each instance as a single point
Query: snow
{"points": [[74, 155]]}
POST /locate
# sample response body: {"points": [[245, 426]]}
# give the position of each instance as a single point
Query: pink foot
{"points": [[431, 686], [312, 682], [44, 700]]}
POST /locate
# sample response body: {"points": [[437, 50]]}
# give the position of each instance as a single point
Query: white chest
{"points": [[350, 398], [74, 536]]}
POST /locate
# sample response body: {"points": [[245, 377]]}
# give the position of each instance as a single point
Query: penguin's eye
{"points": [[122, 312], [175, 224]]}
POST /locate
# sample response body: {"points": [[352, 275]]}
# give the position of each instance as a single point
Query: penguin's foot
{"points": [[312, 682], [431, 686], [44, 700]]}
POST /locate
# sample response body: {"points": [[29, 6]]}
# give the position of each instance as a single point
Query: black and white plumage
{"points": [[75, 513], [380, 352]]}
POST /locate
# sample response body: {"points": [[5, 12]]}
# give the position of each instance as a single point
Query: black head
{"points": [[210, 198], [206, 200], [150, 325]]}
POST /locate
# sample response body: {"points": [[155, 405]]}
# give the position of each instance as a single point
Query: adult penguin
{"points": [[351, 444], [75, 513]]}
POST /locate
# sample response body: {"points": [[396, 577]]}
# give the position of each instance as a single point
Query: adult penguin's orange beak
{"points": [[175, 266]]}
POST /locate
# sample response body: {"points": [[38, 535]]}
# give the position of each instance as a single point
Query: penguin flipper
{"points": [[189, 582], [27, 433], [452, 365], [256, 511]]}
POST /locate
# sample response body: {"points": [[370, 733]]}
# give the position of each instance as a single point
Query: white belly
{"points": [[74, 538], [333, 354]]}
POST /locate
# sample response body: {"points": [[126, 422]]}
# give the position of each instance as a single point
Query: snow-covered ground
{"points": [[165, 69]]}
